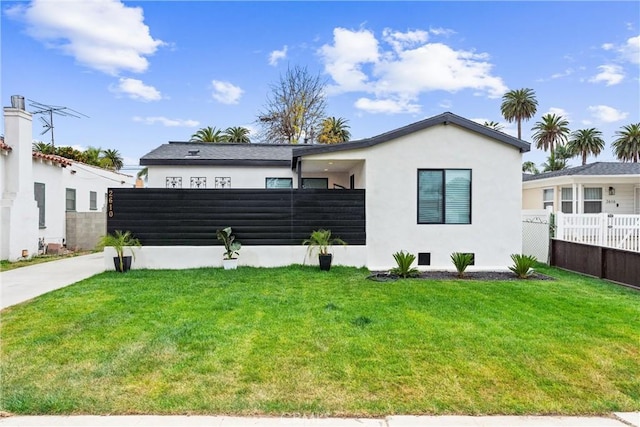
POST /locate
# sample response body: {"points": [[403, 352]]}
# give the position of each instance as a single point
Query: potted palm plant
{"points": [[119, 241], [231, 248], [320, 241]]}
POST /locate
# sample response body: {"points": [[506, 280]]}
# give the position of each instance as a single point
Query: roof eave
{"points": [[213, 162]]}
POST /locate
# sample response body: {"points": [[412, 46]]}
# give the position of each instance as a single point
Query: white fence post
{"points": [[560, 226]]}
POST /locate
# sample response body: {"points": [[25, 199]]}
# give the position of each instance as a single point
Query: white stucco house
{"points": [[442, 185], [44, 197], [600, 187]]}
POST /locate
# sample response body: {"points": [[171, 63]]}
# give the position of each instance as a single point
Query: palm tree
{"points": [[208, 134], [586, 141], [112, 159], [627, 146], [550, 131], [559, 159], [92, 156], [143, 173], [237, 134], [493, 125], [43, 147], [530, 167], [518, 105], [334, 130]]}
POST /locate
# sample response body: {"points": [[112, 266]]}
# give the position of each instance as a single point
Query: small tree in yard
{"points": [[294, 108]]}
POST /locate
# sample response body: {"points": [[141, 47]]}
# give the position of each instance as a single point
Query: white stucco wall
{"points": [[241, 176], [174, 257], [391, 174], [80, 177]]}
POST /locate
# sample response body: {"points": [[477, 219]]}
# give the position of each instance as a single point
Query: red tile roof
{"points": [[4, 146], [52, 158]]}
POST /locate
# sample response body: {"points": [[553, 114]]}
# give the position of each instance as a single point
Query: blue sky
{"points": [[150, 72]]}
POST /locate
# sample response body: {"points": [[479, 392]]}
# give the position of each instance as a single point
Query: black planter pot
{"points": [[126, 263], [325, 261]]}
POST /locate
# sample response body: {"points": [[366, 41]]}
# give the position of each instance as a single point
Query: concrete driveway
{"points": [[25, 283]]}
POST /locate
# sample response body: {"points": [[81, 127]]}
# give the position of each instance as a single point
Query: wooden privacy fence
{"points": [[190, 217], [612, 231], [607, 263]]}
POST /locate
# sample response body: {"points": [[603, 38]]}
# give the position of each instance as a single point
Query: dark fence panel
{"points": [[607, 263], [185, 217]]}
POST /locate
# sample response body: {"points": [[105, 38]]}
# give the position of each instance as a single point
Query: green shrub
{"points": [[404, 261], [461, 261], [523, 265]]}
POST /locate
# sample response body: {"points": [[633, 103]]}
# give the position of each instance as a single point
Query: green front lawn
{"points": [[293, 341]]}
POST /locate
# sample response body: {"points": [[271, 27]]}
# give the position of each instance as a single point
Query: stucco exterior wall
{"points": [[391, 175], [179, 257], [241, 176]]}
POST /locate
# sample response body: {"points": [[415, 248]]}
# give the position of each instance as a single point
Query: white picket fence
{"points": [[613, 231]]}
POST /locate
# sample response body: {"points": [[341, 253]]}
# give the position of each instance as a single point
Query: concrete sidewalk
{"points": [[25, 283], [617, 420]]}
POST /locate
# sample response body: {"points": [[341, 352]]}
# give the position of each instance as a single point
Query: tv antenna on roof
{"points": [[47, 123]]}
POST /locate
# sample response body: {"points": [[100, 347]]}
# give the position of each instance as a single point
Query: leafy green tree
{"points": [[237, 134], [43, 147], [627, 146], [493, 125], [294, 108], [111, 159], [518, 105], [70, 153], [334, 130], [143, 173], [584, 142], [530, 167], [552, 130], [208, 134]]}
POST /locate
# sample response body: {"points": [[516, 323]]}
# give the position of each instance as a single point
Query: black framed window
{"points": [[39, 194], [278, 182], [70, 199], [315, 183], [444, 196]]}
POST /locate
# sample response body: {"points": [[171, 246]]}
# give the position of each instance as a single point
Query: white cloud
{"points": [[386, 106], [607, 114], [631, 50], [136, 89], [400, 41], [344, 59], [607, 46], [559, 112], [166, 122], [103, 35], [610, 74], [225, 92], [404, 67], [277, 55], [565, 73], [441, 31]]}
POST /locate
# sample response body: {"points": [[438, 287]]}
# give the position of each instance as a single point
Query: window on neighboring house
{"points": [[279, 183], [70, 199], [566, 203], [39, 195], [174, 182], [444, 196], [198, 182], [592, 200], [547, 198], [93, 201], [315, 183]]}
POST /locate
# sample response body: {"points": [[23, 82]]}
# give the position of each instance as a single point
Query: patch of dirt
{"points": [[384, 276]]}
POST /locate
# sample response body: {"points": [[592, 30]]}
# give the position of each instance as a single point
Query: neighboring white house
{"points": [[38, 191], [442, 185], [601, 187]]}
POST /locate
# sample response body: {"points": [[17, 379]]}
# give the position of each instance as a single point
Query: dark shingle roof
{"points": [[206, 153], [444, 118], [597, 168], [177, 153]]}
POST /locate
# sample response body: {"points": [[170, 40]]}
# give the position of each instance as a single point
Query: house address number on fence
{"points": [[110, 203]]}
